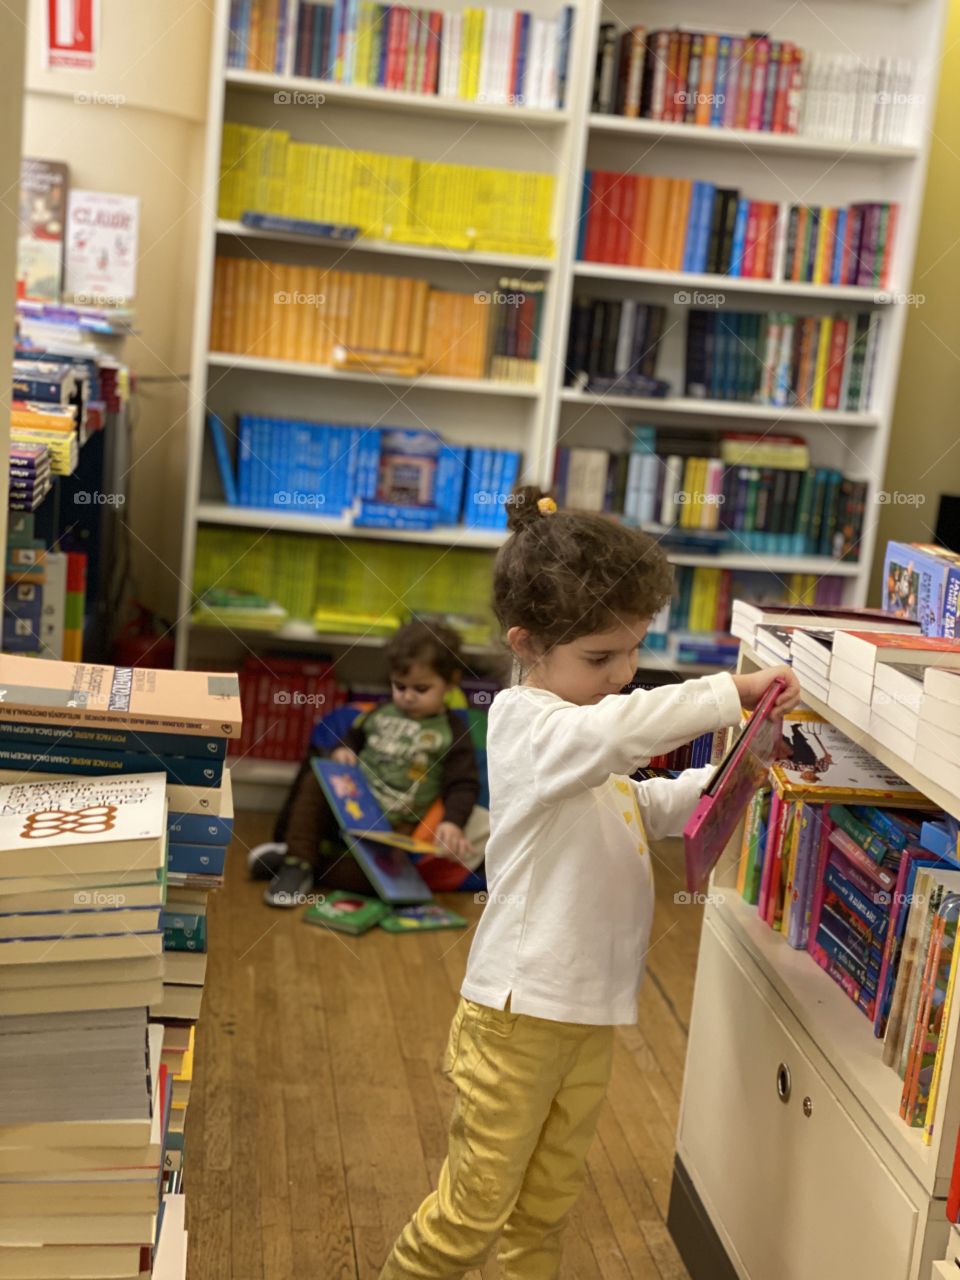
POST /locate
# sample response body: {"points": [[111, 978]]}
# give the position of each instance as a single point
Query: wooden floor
{"points": [[317, 1118]]}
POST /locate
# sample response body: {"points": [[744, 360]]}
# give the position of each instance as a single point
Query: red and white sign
{"points": [[73, 34]]}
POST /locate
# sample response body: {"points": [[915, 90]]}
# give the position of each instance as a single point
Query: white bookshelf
{"points": [[563, 143], [771, 1005]]}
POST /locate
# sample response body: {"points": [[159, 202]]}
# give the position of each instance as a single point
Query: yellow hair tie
{"points": [[546, 506]]}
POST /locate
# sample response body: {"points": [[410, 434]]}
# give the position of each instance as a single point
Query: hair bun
{"points": [[523, 509]]}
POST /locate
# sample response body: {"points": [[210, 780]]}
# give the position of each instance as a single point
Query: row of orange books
{"points": [[361, 320]]}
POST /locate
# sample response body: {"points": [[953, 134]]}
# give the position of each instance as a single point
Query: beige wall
{"points": [[154, 65], [924, 456], [12, 47]]}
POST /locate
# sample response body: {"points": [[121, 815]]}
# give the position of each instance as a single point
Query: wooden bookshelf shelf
{"points": [[937, 794], [684, 282], [425, 382], [692, 407], [297, 522], [513, 262], [392, 100], [751, 140]]}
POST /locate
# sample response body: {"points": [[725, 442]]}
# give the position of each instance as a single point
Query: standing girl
{"points": [[558, 955]]}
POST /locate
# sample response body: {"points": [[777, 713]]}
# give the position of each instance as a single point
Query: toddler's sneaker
{"points": [[289, 886], [263, 861]]}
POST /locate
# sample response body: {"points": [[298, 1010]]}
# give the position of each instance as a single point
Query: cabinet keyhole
{"points": [[783, 1082]]}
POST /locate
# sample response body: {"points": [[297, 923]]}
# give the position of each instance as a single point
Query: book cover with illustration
{"points": [[357, 809], [821, 764], [420, 918], [725, 797], [42, 220], [93, 824], [351, 913]]}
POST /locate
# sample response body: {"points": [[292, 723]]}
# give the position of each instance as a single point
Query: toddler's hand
{"points": [[752, 688], [453, 843], [343, 755]]}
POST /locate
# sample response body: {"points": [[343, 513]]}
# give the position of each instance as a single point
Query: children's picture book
{"points": [[390, 871], [357, 810], [347, 912], [417, 919], [741, 773], [820, 763]]}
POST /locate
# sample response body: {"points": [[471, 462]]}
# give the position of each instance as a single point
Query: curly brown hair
{"points": [[435, 645], [568, 574]]}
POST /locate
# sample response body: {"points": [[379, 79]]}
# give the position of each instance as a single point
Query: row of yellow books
{"points": [[397, 198], [49, 424], [348, 319]]}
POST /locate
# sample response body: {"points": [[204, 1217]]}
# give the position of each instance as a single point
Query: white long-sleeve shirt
{"points": [[566, 926]]}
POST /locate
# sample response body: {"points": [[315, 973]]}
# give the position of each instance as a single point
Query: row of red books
{"points": [[282, 699], [704, 78]]}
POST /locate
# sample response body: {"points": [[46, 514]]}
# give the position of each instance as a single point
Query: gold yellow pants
{"points": [[529, 1092]]}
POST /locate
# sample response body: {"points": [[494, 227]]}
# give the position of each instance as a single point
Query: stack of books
{"points": [[411, 201], [85, 908], [782, 359], [886, 703], [30, 476], [375, 323], [498, 56], [84, 1102], [238, 610], [45, 595], [938, 731], [748, 615], [52, 425], [678, 224], [921, 581]]}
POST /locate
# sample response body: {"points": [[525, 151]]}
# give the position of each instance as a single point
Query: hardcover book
{"points": [[419, 918], [347, 912], [821, 764], [727, 794]]}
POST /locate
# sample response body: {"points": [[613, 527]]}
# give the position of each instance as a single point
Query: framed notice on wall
{"points": [[101, 248], [73, 34]]}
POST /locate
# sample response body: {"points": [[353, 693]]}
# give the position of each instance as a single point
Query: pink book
{"points": [[728, 792]]}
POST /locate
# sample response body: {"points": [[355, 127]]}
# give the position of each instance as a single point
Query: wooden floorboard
{"points": [[317, 1118]]}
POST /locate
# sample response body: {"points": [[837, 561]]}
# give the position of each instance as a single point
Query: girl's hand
{"points": [[453, 843], [343, 755], [752, 688]]}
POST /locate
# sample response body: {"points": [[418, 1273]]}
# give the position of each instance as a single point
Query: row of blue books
{"points": [[385, 477]]}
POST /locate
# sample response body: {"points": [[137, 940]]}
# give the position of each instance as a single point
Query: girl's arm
{"points": [[574, 748], [667, 803]]}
